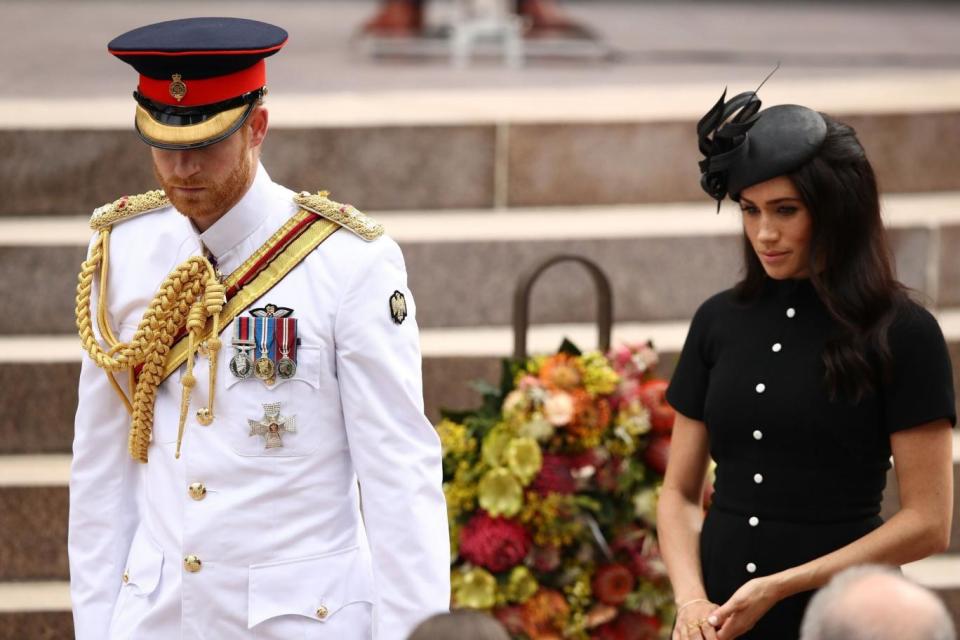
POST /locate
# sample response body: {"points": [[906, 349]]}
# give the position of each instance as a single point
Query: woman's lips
{"points": [[773, 257]]}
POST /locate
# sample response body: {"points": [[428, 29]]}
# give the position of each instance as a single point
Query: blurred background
{"points": [[484, 140]]}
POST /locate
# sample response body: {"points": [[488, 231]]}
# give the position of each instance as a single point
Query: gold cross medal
{"points": [[272, 426]]}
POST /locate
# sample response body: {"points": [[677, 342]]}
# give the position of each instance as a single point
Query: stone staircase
{"points": [[476, 187]]}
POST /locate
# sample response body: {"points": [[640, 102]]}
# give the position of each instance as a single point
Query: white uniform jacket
{"points": [[283, 549]]}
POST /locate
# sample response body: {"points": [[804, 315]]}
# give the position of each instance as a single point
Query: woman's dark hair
{"points": [[850, 262]]}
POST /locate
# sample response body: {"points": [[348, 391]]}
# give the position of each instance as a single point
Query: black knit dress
{"points": [[798, 476]]}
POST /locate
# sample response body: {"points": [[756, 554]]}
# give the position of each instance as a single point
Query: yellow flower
{"points": [[551, 520], [635, 418], [538, 428], [500, 493], [455, 439], [475, 589], [599, 378], [494, 444], [461, 495], [524, 458], [515, 402], [521, 585]]}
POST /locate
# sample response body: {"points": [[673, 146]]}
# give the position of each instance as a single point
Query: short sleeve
{"points": [[687, 392], [920, 388]]}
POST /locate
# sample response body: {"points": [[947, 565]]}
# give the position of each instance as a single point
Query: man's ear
{"points": [[258, 123]]}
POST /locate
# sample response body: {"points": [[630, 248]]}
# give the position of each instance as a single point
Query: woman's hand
{"points": [[692, 622], [750, 602]]}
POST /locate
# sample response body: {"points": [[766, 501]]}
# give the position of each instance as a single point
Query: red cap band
{"points": [[196, 93]]}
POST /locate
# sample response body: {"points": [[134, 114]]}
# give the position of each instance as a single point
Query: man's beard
{"points": [[216, 198]]}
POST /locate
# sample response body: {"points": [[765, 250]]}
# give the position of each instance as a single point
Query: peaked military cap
{"points": [[743, 146], [199, 77]]}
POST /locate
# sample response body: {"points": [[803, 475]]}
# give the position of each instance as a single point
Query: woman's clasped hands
{"points": [[695, 620]]}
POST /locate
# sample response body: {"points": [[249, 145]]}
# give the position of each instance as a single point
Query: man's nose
{"points": [[186, 164]]}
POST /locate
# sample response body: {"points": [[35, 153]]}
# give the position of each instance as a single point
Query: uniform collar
{"points": [[237, 224]]}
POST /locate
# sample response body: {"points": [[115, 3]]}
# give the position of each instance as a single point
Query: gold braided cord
{"points": [[191, 297], [164, 318], [104, 326]]}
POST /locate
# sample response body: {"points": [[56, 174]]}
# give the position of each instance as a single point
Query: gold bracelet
{"points": [[689, 602]]}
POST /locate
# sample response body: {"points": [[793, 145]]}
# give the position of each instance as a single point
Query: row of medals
{"points": [[243, 365]]}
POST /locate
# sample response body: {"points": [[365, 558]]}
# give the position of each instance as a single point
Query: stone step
{"points": [[661, 267], [34, 501], [35, 611], [41, 610], [441, 149]]}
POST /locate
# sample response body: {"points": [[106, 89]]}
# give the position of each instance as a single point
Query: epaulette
{"points": [[127, 207], [343, 214]]}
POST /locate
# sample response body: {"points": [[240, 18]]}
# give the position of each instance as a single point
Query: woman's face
{"points": [[779, 227]]}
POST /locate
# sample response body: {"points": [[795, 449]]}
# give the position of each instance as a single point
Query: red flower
{"points": [[496, 544], [554, 476], [629, 625], [657, 453], [638, 626], [612, 584]]}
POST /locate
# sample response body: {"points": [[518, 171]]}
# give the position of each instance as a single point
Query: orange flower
{"points": [[561, 372], [591, 417], [545, 615]]}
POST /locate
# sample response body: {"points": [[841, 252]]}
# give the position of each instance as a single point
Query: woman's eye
{"points": [[750, 210], [786, 210]]}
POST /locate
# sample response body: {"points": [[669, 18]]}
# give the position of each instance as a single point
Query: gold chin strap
{"points": [[189, 295]]}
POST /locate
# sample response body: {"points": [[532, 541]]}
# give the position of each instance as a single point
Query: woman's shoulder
{"points": [[912, 320], [914, 329], [718, 304]]}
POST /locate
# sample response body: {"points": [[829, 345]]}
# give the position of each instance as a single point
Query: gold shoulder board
{"points": [[127, 207], [343, 214]]}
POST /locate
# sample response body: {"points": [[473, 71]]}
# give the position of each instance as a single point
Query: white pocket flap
{"points": [[302, 586], [144, 563]]}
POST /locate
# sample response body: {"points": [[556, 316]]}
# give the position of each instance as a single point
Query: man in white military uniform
{"points": [[262, 353]]}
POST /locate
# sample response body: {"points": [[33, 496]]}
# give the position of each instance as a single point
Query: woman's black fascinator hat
{"points": [[743, 146]]}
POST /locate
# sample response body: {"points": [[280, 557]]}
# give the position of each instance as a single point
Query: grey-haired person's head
{"points": [[461, 624], [874, 602]]}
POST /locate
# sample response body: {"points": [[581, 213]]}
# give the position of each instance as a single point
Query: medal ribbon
{"points": [[287, 338], [265, 333]]}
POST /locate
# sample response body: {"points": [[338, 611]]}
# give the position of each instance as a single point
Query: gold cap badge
{"points": [[178, 88]]}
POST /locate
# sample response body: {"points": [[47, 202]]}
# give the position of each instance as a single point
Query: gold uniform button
{"points": [[204, 416], [126, 576], [198, 491], [322, 612], [192, 564]]}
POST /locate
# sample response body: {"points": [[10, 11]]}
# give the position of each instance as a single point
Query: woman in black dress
{"points": [[800, 382]]}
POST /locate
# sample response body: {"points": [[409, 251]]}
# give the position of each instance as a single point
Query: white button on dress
{"points": [[758, 478], [776, 347], [751, 567], [758, 435], [761, 388], [754, 521], [791, 312]]}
